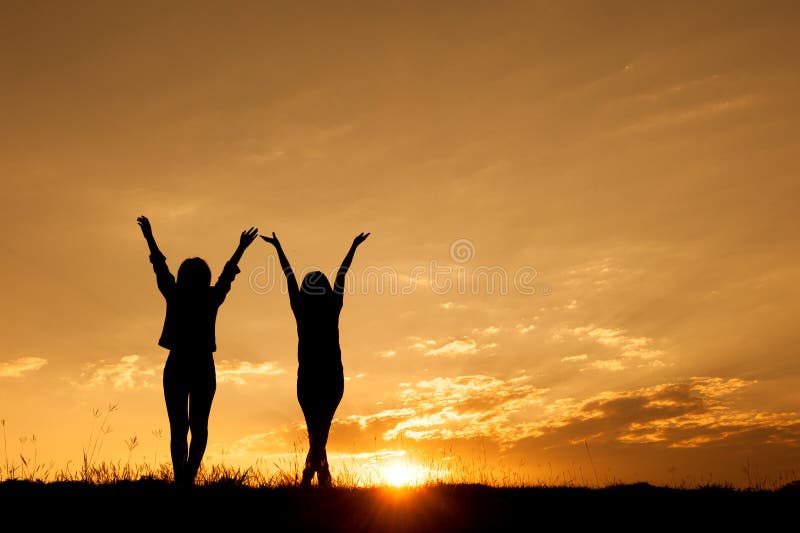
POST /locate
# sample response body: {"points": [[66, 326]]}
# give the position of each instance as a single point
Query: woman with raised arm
{"points": [[188, 333], [320, 377]]}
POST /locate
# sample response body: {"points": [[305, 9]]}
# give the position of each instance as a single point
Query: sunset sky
{"points": [[583, 259]]}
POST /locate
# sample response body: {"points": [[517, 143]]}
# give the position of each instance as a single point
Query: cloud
{"points": [[127, 374], [525, 328], [386, 353], [676, 415], [622, 347], [598, 276], [17, 367], [459, 407], [455, 347], [487, 331], [422, 344], [575, 358], [265, 442], [572, 305], [235, 371], [514, 414], [608, 364], [693, 113]]}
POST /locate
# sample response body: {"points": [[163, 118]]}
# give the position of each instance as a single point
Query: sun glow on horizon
{"points": [[403, 474]]}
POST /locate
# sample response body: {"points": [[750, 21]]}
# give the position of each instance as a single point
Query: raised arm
{"points": [[338, 286], [245, 240], [164, 278], [147, 231], [287, 268], [223, 284]]}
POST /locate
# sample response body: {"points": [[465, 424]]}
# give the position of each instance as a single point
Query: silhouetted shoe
{"points": [[308, 475], [324, 478]]}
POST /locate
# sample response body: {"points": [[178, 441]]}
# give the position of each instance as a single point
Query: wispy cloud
{"points": [[689, 114], [620, 350], [455, 347], [236, 371], [387, 353], [450, 306], [17, 367], [128, 373], [487, 331], [524, 328], [608, 364], [421, 344]]}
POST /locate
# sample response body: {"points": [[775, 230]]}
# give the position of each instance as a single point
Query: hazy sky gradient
{"points": [[642, 158]]}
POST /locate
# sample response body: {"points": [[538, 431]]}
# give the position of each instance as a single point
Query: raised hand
{"points": [[272, 240], [144, 224], [248, 237], [361, 237]]}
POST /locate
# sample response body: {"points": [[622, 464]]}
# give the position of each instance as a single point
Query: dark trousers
{"points": [[190, 381]]}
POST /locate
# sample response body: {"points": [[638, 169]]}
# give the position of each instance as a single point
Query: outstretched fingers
{"points": [[272, 240], [144, 223], [248, 236], [361, 237]]}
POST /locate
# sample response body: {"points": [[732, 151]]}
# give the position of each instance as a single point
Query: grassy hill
{"points": [[155, 504]]}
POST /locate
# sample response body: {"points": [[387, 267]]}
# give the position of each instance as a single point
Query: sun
{"points": [[402, 474]]}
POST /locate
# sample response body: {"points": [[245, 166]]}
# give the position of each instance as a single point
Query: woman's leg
{"points": [[335, 396], [312, 459], [201, 395], [176, 394], [306, 396], [323, 470]]}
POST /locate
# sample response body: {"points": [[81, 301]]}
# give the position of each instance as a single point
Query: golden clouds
{"points": [[129, 373], [454, 408], [236, 371], [615, 350], [20, 366], [132, 372]]}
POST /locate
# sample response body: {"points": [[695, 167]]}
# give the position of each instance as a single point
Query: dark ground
{"points": [[155, 505]]}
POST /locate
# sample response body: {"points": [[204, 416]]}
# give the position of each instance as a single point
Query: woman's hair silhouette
{"points": [[315, 283], [194, 272], [188, 333], [320, 376]]}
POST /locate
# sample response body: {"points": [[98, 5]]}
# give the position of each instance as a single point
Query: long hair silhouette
{"points": [[194, 274], [320, 375]]}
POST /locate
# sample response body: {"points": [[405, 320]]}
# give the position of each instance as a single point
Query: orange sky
{"points": [[641, 160]]}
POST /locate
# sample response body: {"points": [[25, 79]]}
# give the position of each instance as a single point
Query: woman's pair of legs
{"points": [[189, 385], [319, 397], [317, 458]]}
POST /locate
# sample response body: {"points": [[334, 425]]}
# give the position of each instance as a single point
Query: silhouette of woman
{"points": [[188, 334], [320, 377]]}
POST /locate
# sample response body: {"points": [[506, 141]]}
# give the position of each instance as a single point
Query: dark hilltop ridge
{"points": [[159, 505]]}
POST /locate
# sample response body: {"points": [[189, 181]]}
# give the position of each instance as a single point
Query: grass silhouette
{"points": [[461, 496]]}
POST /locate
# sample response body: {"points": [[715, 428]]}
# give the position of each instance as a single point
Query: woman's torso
{"points": [[318, 334]]}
